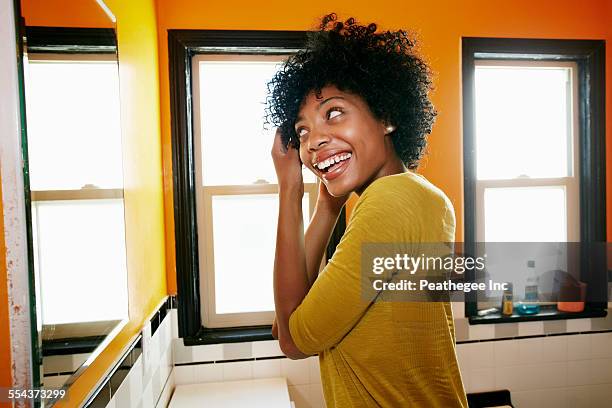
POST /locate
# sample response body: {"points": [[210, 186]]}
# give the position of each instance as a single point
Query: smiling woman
{"points": [[353, 107], [337, 131]]}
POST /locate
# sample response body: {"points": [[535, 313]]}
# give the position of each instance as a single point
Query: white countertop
{"points": [[259, 393]]}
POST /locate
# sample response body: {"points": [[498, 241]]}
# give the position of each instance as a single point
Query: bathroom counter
{"points": [[259, 393]]}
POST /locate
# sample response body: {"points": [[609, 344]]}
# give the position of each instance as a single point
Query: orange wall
{"points": [[440, 24], [64, 13], [143, 192]]}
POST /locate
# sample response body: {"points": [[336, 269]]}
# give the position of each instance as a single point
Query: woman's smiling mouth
{"points": [[333, 166]]}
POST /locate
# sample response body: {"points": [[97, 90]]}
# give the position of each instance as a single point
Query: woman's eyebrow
{"points": [[300, 118], [329, 99]]}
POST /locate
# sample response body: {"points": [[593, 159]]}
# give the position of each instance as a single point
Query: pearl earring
{"points": [[390, 129]]}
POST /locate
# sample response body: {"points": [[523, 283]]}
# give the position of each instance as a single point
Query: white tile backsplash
{"points": [[134, 380], [578, 325], [267, 368], [185, 374], [553, 371], [207, 373], [297, 372], [567, 371], [268, 348], [601, 345], [601, 395], [554, 398], [579, 347], [208, 352], [509, 378], [147, 396], [601, 371], [166, 394], [506, 353], [479, 355], [550, 375], [554, 349], [152, 388], [579, 397], [483, 379], [315, 370], [530, 350], [301, 396], [240, 370], [316, 395], [482, 331], [530, 328], [578, 372]]}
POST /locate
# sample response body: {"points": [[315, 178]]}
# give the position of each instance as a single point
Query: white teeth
{"points": [[332, 160]]}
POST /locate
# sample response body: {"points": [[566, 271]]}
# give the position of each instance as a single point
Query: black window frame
{"points": [[182, 46], [589, 55]]}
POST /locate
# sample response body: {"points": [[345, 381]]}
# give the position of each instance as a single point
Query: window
{"points": [[225, 191], [534, 158], [237, 198], [526, 151], [76, 183]]}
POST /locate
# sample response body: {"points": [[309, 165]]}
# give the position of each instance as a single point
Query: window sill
{"points": [[546, 313], [229, 335]]}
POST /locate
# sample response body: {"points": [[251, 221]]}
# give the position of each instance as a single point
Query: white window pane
{"points": [[523, 122], [81, 260], [244, 235], [232, 109], [74, 134], [525, 214]]}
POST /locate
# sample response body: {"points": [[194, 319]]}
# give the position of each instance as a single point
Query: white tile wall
{"points": [[150, 388], [267, 368], [567, 371], [528, 329], [578, 325], [482, 331], [571, 371]]}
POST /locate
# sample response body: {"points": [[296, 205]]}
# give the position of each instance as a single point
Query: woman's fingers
{"points": [[278, 145], [275, 329], [286, 163]]}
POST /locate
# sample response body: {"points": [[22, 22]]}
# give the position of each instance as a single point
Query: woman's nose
{"points": [[317, 140]]}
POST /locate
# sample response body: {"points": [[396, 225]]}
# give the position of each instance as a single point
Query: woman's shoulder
{"points": [[404, 206], [404, 189]]}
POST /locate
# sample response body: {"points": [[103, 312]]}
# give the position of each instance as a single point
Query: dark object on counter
{"points": [[570, 292], [498, 398]]}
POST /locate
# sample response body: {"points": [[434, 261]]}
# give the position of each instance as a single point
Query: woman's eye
{"points": [[301, 132], [334, 112]]}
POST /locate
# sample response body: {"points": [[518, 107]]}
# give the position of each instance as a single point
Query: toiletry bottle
{"points": [[529, 305], [507, 303]]}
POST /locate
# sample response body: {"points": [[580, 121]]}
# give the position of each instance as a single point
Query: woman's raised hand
{"points": [[288, 166], [328, 202]]}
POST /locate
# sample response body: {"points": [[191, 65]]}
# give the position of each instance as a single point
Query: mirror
{"points": [[73, 142]]}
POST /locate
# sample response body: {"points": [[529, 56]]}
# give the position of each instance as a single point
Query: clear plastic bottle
{"points": [[529, 304]]}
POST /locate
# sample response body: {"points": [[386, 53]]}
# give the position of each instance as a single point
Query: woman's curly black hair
{"points": [[382, 68]]}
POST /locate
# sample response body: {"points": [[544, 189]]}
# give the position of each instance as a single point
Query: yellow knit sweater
{"points": [[383, 354]]}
